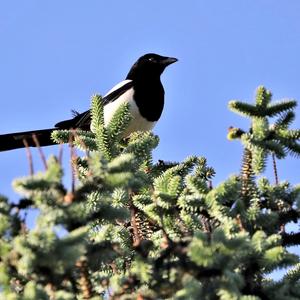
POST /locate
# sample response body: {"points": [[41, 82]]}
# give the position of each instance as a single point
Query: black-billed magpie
{"points": [[142, 89]]}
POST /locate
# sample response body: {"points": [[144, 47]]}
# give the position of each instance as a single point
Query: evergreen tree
{"points": [[135, 229]]}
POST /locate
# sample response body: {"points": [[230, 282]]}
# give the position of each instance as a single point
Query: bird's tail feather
{"points": [[31, 138]]}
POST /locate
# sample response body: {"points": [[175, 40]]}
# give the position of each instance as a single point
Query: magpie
{"points": [[142, 90]]}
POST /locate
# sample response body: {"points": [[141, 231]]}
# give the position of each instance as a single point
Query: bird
{"points": [[142, 90]]}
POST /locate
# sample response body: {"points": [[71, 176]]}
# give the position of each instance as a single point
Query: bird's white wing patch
{"points": [[117, 86], [138, 123]]}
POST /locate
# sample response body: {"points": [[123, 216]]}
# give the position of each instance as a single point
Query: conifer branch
{"points": [[23, 204], [285, 120], [244, 109], [280, 107], [138, 230], [98, 126], [288, 216], [263, 97], [247, 176], [290, 239]]}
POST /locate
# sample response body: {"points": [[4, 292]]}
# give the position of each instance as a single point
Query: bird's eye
{"points": [[151, 59]]}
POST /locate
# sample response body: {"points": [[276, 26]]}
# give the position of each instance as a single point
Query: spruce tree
{"points": [[131, 228]]}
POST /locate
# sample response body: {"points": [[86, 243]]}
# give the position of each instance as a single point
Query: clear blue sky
{"points": [[55, 54]]}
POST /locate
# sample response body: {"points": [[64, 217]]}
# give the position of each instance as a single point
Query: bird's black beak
{"points": [[169, 60]]}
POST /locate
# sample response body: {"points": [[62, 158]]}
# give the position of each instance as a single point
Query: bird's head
{"points": [[150, 65]]}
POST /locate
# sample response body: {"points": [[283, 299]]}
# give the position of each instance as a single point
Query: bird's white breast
{"points": [[137, 123]]}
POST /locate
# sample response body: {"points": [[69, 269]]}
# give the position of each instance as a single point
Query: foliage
{"points": [[136, 229]]}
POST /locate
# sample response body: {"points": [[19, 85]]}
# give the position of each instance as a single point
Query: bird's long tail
{"points": [[27, 138]]}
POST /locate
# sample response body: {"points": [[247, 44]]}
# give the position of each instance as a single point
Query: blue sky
{"points": [[55, 54]]}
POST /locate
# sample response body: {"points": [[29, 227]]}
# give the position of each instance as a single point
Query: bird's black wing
{"points": [[83, 120]]}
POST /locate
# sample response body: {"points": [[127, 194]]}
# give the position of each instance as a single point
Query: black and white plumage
{"points": [[142, 90]]}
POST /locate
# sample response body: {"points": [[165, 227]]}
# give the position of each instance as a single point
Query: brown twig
{"points": [[24, 228], [206, 225], [240, 223], [282, 226], [275, 169], [84, 280], [136, 235], [73, 161], [81, 142], [29, 157], [42, 155]]}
